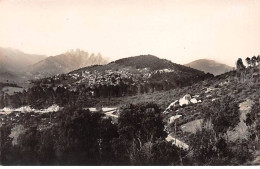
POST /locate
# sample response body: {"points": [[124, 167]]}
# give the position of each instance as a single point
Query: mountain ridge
{"points": [[17, 66], [14, 59], [65, 63]]}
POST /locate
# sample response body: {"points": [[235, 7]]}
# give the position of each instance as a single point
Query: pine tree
{"points": [[240, 65]]}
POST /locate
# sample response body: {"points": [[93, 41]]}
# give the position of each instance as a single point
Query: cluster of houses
{"points": [[114, 77], [94, 78], [108, 77]]}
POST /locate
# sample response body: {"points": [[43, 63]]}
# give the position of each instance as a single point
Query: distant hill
{"points": [[210, 66], [141, 63], [13, 61], [65, 63]]}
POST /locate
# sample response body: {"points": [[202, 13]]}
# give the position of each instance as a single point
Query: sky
{"points": [[179, 30]]}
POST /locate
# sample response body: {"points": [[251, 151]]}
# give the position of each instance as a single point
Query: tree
{"points": [[85, 138], [240, 65], [203, 143], [165, 153], [28, 147], [141, 122], [253, 60], [258, 59], [139, 126], [157, 153], [248, 61]]}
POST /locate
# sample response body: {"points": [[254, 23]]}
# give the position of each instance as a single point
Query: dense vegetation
{"points": [[79, 137], [211, 145]]}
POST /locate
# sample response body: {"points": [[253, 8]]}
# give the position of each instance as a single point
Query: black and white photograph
{"points": [[129, 83]]}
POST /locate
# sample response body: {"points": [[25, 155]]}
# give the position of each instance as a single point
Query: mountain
{"points": [[17, 66], [141, 63], [210, 66], [65, 63], [13, 61]]}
